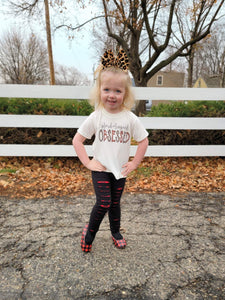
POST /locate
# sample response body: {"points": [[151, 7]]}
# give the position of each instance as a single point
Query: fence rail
{"points": [[73, 92]]}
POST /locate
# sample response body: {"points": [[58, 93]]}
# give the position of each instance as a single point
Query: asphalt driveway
{"points": [[176, 249]]}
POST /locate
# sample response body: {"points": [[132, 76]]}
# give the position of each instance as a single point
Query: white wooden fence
{"points": [[75, 92]]}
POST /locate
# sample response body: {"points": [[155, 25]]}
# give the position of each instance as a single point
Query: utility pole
{"points": [[49, 42]]}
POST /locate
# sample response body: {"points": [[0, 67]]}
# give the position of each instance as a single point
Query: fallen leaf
{"points": [[4, 183], [66, 177]]}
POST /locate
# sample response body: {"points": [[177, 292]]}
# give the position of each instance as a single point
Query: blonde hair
{"points": [[95, 95]]}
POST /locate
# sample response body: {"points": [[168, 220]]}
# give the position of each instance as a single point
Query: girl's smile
{"points": [[112, 91]]}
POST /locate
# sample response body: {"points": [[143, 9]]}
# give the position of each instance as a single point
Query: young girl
{"points": [[113, 125]]}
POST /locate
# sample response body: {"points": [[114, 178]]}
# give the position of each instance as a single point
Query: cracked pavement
{"points": [[176, 249]]}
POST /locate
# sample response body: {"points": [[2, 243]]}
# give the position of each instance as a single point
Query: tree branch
{"points": [[78, 26], [169, 26], [178, 53], [113, 35], [24, 7], [148, 28]]}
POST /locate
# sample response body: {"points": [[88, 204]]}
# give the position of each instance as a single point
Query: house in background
{"points": [[166, 79], [213, 81]]}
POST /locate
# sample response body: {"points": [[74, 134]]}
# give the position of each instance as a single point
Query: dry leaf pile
{"points": [[66, 177]]}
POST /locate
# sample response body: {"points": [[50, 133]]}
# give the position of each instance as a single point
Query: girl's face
{"points": [[112, 91]]}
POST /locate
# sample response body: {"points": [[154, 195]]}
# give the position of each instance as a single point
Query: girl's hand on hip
{"points": [[128, 168], [95, 165]]}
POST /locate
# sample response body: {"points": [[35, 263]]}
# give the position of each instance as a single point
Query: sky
{"points": [[77, 53]]}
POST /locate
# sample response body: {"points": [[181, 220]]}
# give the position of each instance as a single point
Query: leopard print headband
{"points": [[120, 61]]}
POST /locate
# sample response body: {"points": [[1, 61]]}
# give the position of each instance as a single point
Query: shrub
{"points": [[76, 107], [44, 107], [189, 109], [41, 107], [188, 137]]}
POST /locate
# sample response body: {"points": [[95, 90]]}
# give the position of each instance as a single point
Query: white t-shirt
{"points": [[113, 133]]}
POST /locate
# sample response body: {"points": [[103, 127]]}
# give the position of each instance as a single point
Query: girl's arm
{"points": [[91, 164], [140, 153]]}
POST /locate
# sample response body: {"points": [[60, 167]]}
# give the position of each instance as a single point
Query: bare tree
{"points": [[149, 27], [70, 76], [23, 61], [30, 8], [210, 56], [199, 19]]}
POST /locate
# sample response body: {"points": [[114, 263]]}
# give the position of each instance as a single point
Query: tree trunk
{"points": [[140, 106], [49, 42], [190, 68], [223, 70]]}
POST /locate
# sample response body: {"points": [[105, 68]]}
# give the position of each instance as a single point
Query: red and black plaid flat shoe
{"points": [[84, 246], [120, 244]]}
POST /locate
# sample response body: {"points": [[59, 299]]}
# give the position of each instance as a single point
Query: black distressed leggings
{"points": [[108, 192]]}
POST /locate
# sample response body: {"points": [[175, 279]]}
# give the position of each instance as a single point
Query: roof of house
{"points": [[212, 81]]}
